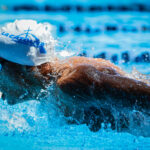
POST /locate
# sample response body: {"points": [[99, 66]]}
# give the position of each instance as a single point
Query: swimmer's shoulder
{"points": [[98, 63]]}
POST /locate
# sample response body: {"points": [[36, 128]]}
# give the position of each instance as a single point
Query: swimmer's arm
{"points": [[126, 84], [86, 78]]}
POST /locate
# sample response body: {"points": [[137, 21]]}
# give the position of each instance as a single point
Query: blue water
{"points": [[40, 125]]}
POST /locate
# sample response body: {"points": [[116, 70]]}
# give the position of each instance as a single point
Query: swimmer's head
{"points": [[27, 42]]}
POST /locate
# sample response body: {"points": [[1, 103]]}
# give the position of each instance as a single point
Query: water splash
{"points": [[135, 74]]}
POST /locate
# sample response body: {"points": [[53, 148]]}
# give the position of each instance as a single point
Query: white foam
{"points": [[66, 53], [26, 53]]}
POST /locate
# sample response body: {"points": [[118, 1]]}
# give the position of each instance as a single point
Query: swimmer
{"points": [[85, 78], [97, 78], [81, 78]]}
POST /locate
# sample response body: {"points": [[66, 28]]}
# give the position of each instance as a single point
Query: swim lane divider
{"points": [[84, 8], [62, 28], [124, 57]]}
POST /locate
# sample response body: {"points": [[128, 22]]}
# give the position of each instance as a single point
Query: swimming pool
{"points": [[40, 125]]}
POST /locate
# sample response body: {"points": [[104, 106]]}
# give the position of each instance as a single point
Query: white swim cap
{"points": [[26, 42]]}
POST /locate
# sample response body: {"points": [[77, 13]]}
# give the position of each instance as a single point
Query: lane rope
{"points": [[82, 8], [124, 57]]}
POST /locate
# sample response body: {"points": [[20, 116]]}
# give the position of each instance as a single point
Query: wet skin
{"points": [[98, 78], [83, 79]]}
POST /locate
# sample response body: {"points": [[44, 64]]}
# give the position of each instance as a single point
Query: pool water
{"points": [[40, 125]]}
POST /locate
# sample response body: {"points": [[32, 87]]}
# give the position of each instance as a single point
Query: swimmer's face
{"points": [[18, 83]]}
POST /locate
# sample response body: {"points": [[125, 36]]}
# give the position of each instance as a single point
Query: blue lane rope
{"points": [[62, 28], [124, 57], [140, 7]]}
